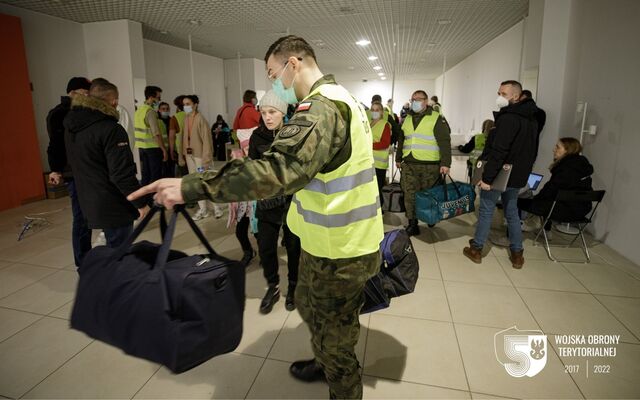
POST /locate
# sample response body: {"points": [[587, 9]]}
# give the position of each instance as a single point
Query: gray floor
{"points": [[434, 343]]}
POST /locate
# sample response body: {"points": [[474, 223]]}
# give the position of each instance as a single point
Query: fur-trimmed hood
{"points": [[86, 111]]}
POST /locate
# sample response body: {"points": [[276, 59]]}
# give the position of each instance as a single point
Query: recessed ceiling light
{"points": [[380, 73], [351, 68], [372, 58], [432, 44], [444, 21], [428, 51], [384, 78], [363, 42], [377, 68], [195, 22], [164, 32]]}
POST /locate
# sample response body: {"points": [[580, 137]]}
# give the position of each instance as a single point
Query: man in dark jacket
{"points": [[513, 142], [60, 169], [100, 155], [539, 115]]}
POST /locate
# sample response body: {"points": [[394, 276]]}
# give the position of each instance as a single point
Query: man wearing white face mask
{"points": [[423, 153], [513, 142]]}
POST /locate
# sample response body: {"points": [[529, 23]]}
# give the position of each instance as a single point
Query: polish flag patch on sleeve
{"points": [[304, 106]]}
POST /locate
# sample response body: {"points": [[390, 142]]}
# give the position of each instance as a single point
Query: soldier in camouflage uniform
{"points": [[422, 159], [316, 141]]}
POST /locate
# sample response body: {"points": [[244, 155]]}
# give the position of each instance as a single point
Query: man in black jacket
{"points": [[100, 155], [60, 169], [540, 115], [513, 142]]}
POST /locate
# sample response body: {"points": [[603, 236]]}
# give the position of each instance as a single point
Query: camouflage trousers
{"points": [[414, 178], [329, 296]]}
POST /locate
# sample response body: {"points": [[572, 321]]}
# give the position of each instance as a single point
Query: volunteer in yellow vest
{"points": [[388, 116], [475, 146], [423, 153], [176, 129], [149, 137], [381, 131], [323, 156]]}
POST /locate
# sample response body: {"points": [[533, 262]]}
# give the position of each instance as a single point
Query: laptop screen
{"points": [[534, 181]]}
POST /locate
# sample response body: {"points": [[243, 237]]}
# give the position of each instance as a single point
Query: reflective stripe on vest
{"points": [[337, 215], [142, 132], [421, 142], [380, 157]]}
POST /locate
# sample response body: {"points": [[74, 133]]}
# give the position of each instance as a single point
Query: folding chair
{"points": [[572, 196]]}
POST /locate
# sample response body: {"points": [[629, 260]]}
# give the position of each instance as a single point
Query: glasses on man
{"points": [[274, 75]]}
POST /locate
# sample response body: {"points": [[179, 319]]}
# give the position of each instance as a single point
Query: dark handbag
{"points": [[159, 304], [398, 273], [274, 202], [393, 197], [444, 201]]}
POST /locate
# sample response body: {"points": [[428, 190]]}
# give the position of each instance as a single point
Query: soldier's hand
{"points": [[399, 165], [143, 211], [55, 178], [444, 170], [168, 192], [165, 155]]}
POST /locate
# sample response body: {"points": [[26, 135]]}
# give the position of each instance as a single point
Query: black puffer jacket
{"points": [[100, 156], [572, 172], [270, 210], [514, 140]]}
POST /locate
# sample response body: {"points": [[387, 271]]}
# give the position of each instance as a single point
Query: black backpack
{"points": [[159, 304]]}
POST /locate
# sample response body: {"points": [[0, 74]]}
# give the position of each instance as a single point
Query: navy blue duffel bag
{"points": [[159, 304], [398, 273]]}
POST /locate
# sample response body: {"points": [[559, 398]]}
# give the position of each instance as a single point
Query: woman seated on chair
{"points": [[569, 171]]}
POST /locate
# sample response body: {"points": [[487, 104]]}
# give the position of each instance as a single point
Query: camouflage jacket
{"points": [[314, 140]]}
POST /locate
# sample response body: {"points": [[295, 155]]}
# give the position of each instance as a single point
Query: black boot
{"points": [[413, 229], [307, 370], [247, 257], [290, 302], [270, 298]]}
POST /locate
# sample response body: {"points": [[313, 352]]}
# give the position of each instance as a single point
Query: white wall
{"points": [[52, 60], [607, 78], [168, 67], [363, 91], [471, 86], [240, 75]]}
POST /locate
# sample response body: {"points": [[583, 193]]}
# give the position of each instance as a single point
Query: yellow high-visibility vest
{"points": [[337, 215], [143, 135], [421, 142], [380, 157]]}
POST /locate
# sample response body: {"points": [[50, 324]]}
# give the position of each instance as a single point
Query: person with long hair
{"points": [[569, 171]]}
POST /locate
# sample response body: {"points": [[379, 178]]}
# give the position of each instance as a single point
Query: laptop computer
{"points": [[534, 181], [501, 180]]}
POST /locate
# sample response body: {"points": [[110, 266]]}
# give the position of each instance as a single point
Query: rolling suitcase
{"points": [[159, 304]]}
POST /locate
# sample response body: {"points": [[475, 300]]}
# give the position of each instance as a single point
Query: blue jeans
{"points": [[80, 232], [488, 200], [116, 236]]}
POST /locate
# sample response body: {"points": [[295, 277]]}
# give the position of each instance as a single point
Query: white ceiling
{"points": [[224, 28]]}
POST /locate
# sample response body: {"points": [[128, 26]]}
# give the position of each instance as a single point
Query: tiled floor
{"points": [[435, 343]]}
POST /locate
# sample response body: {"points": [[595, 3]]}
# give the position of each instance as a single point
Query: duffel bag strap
{"points": [[196, 229], [455, 185], [124, 247]]}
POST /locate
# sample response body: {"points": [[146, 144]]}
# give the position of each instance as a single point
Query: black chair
{"points": [[568, 197]]}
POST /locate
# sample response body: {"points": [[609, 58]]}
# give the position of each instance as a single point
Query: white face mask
{"points": [[188, 109], [375, 114], [501, 102], [416, 106]]}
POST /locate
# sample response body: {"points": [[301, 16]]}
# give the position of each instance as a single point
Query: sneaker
{"points": [[270, 298], [200, 215], [307, 370], [101, 240], [217, 212]]}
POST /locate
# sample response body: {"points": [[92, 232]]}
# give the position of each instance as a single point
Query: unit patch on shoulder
{"points": [[304, 106], [289, 130]]}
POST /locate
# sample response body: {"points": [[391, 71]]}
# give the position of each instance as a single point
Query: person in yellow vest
{"points": [[423, 153], [388, 116], [475, 146], [148, 136], [381, 131], [323, 156], [176, 127]]}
